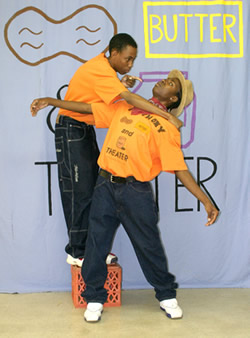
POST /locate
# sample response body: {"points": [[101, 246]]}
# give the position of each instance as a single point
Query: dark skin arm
{"points": [[79, 107], [188, 181], [84, 108]]}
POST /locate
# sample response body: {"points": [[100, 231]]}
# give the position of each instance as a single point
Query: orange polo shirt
{"points": [[94, 81], [140, 145]]}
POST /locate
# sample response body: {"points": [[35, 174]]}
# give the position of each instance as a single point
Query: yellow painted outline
{"points": [[148, 55]]}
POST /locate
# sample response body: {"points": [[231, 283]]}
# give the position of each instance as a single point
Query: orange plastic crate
{"points": [[112, 285]]}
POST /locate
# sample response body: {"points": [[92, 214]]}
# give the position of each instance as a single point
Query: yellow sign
{"points": [[193, 29]]}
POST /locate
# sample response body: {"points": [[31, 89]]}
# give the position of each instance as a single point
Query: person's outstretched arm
{"points": [[79, 107], [141, 103], [85, 108], [188, 181]]}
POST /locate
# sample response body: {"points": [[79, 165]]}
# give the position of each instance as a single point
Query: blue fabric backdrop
{"points": [[42, 44]]}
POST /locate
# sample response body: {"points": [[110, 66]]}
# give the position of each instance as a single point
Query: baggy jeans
{"points": [[133, 205], [77, 152]]}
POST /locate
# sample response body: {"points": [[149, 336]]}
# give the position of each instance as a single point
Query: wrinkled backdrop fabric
{"points": [[42, 44]]}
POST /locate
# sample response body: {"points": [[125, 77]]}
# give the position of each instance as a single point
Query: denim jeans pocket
{"points": [[76, 132], [63, 170], [100, 182], [59, 149], [143, 187], [143, 191]]}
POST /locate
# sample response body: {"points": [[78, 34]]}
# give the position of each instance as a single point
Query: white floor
{"points": [[213, 313]]}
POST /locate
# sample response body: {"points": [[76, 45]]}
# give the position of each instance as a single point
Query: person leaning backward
{"points": [[123, 193]]}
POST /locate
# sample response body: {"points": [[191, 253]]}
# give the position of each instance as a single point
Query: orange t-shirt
{"points": [[94, 81], [139, 145]]}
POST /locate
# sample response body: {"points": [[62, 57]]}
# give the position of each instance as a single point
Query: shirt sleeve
{"points": [[108, 88], [169, 147]]}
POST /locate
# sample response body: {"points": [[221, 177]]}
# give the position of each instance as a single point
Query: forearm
{"points": [[188, 181], [79, 107]]}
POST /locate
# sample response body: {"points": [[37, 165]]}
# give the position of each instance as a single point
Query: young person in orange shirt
{"points": [[138, 146], [76, 147]]}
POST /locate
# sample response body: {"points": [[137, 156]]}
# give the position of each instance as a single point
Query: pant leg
{"points": [[103, 223], [77, 152], [139, 216]]}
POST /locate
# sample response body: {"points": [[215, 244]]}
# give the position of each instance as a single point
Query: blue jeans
{"points": [[77, 152], [133, 205]]}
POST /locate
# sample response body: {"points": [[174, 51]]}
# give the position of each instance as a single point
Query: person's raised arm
{"points": [[188, 181], [141, 103], [40, 103]]}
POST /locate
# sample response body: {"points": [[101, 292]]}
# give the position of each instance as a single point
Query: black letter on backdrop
{"points": [[176, 191], [49, 163], [200, 182], [49, 182]]}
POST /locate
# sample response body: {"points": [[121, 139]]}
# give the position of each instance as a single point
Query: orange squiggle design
{"points": [[92, 31], [26, 28], [26, 43], [87, 43]]}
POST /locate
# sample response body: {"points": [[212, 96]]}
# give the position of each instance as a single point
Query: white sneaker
{"points": [[171, 307], [74, 261], [93, 312], [111, 258]]}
